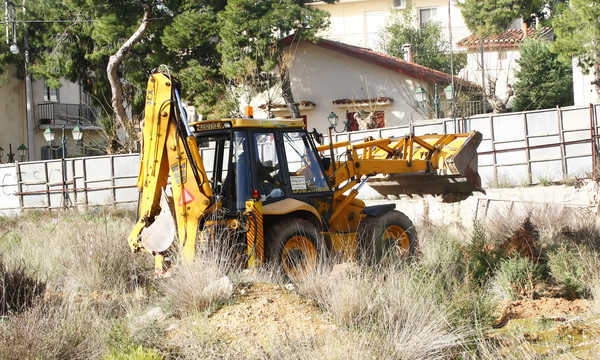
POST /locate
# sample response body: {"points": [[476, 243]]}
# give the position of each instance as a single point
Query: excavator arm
{"points": [[169, 149]]}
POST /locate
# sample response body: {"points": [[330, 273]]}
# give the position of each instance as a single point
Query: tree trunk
{"points": [[113, 64], [498, 104], [286, 90]]}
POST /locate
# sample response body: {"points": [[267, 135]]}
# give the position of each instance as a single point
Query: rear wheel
{"points": [[391, 234], [294, 246]]}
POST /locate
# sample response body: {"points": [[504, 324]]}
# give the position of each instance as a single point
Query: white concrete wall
{"points": [[547, 203], [322, 76]]}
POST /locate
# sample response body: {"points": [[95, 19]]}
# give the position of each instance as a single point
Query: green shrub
{"points": [[481, 258], [568, 268], [514, 278]]}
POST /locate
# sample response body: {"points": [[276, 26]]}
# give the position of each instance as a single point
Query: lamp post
{"points": [[11, 155], [77, 136], [421, 96]]}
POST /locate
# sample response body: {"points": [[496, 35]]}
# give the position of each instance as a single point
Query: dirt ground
{"points": [[553, 308], [261, 310]]}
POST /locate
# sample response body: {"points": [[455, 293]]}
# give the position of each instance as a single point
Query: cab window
{"points": [[303, 166]]}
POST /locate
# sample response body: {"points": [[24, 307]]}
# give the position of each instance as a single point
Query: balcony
{"points": [[67, 114]]}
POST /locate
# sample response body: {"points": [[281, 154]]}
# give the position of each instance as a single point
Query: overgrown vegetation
{"points": [[82, 294]]}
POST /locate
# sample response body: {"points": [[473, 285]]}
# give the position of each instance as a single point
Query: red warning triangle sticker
{"points": [[186, 197]]}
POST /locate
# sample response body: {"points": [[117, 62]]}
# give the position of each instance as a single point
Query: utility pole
{"points": [[14, 48], [452, 64], [28, 92]]}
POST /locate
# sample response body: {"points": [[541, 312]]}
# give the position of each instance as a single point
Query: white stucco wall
{"points": [[349, 18], [583, 90], [12, 117], [499, 68], [322, 76], [68, 93]]}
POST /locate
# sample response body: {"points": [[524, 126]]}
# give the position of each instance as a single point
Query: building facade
{"points": [[354, 83], [59, 109], [360, 22]]}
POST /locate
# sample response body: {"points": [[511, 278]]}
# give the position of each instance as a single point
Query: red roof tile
{"points": [[507, 38], [389, 62]]}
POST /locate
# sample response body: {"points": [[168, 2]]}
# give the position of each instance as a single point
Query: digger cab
{"points": [[273, 159]]}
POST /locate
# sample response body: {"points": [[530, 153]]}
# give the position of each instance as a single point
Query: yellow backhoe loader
{"points": [[282, 199]]}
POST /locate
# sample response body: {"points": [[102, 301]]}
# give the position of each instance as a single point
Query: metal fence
{"points": [[520, 148], [88, 181], [517, 148]]}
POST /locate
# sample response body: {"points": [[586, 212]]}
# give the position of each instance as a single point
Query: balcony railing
{"points": [[67, 114]]}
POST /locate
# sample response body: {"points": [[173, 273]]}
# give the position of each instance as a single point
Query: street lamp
{"points": [[333, 121], [22, 151], [77, 136], [421, 97]]}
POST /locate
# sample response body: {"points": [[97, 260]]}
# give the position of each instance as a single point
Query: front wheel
{"points": [[392, 233], [294, 245]]}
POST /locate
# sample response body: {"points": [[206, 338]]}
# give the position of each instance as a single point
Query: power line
{"points": [[60, 21], [45, 21]]}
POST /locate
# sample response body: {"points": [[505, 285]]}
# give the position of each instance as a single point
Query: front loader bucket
{"points": [[453, 176]]}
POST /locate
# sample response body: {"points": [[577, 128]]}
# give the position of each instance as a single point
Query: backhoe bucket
{"points": [[160, 234], [454, 177]]}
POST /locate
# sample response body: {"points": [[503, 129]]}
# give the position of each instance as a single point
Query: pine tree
{"points": [[250, 47], [577, 30], [486, 17], [542, 80], [429, 45]]}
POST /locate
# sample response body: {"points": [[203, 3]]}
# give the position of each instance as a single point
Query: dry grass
{"points": [[56, 330], [194, 287], [439, 306], [76, 252], [391, 305]]}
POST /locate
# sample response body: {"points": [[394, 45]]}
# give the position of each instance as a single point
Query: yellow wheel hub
{"points": [[299, 254], [395, 235]]}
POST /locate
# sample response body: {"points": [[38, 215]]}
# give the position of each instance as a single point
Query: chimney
{"points": [[408, 53], [524, 29]]}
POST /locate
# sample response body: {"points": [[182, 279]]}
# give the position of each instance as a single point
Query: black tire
{"points": [[294, 246], [391, 234]]}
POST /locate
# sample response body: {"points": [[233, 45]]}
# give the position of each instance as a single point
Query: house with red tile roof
{"points": [[351, 81], [500, 53]]}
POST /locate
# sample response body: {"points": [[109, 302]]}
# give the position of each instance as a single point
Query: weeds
{"points": [[501, 182]]}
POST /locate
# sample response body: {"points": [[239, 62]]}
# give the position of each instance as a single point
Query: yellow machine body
{"points": [[317, 194]]}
